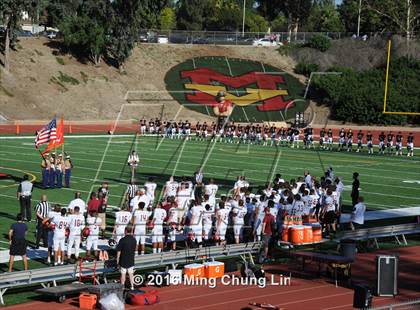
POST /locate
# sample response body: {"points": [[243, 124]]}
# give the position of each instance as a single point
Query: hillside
{"points": [[42, 82]]}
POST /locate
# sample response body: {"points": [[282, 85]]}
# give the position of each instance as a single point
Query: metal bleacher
{"points": [[50, 276]]}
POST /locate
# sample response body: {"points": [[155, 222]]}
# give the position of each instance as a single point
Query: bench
{"points": [[384, 214], [51, 275], [324, 258], [382, 232]]}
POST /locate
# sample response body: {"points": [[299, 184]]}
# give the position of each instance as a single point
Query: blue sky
{"points": [[338, 1]]}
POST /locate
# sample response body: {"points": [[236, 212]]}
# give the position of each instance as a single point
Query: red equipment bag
{"points": [[142, 298]]}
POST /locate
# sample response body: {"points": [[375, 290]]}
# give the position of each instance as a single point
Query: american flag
{"points": [[46, 134]]}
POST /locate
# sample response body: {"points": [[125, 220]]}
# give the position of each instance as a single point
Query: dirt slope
{"points": [[33, 89]]}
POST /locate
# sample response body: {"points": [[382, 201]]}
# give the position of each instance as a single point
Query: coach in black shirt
{"points": [[126, 250], [18, 244], [355, 189]]}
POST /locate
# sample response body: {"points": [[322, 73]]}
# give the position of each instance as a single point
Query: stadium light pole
{"points": [[243, 20], [358, 18]]}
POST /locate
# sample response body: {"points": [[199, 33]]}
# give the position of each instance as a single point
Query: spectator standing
{"points": [[355, 189], [24, 194], [268, 223], [358, 215], [17, 240], [42, 210], [126, 250], [93, 204]]}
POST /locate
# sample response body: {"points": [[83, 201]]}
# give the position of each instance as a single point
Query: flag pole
{"points": [[62, 145]]}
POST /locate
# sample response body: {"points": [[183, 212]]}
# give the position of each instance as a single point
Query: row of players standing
{"points": [[271, 135], [54, 168]]}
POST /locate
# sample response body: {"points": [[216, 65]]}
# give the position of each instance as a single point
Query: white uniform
{"points": [[157, 233], [133, 160], [171, 188], [207, 223], [173, 217], [61, 224], [76, 223], [298, 208], [122, 219], [238, 220], [77, 203], [260, 217], [183, 198], [150, 190], [211, 190], [94, 224], [196, 223], [140, 222], [51, 216], [134, 203], [223, 214]]}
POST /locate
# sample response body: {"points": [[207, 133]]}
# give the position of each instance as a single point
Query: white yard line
{"points": [[237, 93]]}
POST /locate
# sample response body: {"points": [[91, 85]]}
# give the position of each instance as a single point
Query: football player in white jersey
{"points": [[150, 187], [140, 196], [222, 223], [183, 198], [159, 216], [61, 223], [211, 190], [94, 224], [171, 188], [196, 222], [208, 217], [140, 218], [76, 223], [173, 224], [239, 213], [259, 217], [122, 219], [47, 222]]}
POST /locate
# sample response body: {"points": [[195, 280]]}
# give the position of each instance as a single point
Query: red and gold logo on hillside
{"points": [[252, 89]]}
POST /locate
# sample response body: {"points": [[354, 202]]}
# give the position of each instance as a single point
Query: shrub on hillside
{"points": [[320, 42], [305, 68], [358, 96]]}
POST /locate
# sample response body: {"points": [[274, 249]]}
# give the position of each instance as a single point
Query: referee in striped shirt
{"points": [[131, 191], [42, 209]]}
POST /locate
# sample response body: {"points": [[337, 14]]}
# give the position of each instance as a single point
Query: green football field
{"points": [[386, 182]]}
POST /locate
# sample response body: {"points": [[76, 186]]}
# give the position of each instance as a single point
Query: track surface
{"points": [[301, 294]]}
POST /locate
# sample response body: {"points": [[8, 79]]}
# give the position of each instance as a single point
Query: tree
{"points": [[150, 11], [10, 12], [123, 30], [370, 21], [270, 9], [58, 10], [225, 15], [297, 11], [192, 14], [324, 17], [167, 19], [83, 35], [255, 22], [404, 13]]}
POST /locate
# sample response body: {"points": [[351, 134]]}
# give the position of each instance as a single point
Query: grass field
{"points": [[102, 158], [96, 158]]}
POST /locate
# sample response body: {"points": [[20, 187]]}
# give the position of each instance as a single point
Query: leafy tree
{"points": [[297, 11], [369, 20], [83, 35], [324, 17], [404, 14], [320, 42], [10, 14], [192, 14], [270, 9], [123, 30], [279, 23], [150, 11], [255, 22], [57, 10], [225, 15], [167, 19]]}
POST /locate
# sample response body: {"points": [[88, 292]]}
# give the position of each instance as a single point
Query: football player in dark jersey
{"points": [[389, 142], [349, 140], [410, 144], [359, 141], [398, 144], [341, 139], [330, 139], [369, 139], [290, 136], [322, 138], [382, 143]]}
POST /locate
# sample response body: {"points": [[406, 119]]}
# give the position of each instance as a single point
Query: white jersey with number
{"points": [[208, 217], [173, 215], [141, 217], [183, 197], [159, 215], [223, 214], [134, 203], [122, 218], [211, 190], [76, 224], [171, 188], [240, 215], [61, 224], [197, 215], [94, 224], [150, 189]]}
